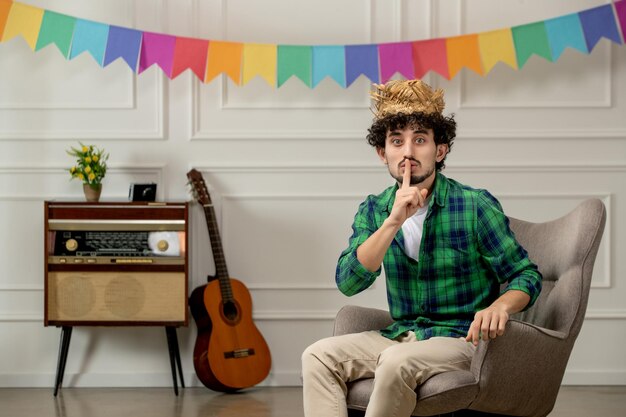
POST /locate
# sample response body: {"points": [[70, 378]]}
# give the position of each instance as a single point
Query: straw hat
{"points": [[406, 96]]}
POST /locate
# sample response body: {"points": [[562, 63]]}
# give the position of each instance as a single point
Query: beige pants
{"points": [[397, 366]]}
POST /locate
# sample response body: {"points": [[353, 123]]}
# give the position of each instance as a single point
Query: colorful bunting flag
{"points": [[260, 60], [329, 61], [597, 23], [396, 58], [531, 39], [224, 57], [294, 60], [5, 8], [58, 29], [123, 43], [190, 53], [463, 51], [620, 10], [430, 55], [563, 32], [311, 64], [157, 49], [497, 46], [23, 20], [91, 37], [361, 59]]}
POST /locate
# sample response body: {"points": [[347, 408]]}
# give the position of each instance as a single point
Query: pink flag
{"points": [[157, 49], [620, 9], [396, 57], [430, 55]]}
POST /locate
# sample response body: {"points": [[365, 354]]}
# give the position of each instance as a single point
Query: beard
{"points": [[415, 179]]}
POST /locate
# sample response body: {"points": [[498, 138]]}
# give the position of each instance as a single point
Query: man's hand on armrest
{"points": [[490, 322]]}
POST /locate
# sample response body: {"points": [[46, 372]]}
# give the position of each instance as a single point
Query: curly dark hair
{"points": [[444, 129]]}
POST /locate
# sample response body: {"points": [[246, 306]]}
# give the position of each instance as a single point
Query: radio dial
{"points": [[71, 245], [163, 245]]}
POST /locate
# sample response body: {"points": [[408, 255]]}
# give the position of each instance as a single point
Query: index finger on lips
{"points": [[406, 178]]}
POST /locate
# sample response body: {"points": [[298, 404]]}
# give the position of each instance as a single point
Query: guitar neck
{"points": [[221, 270], [202, 195]]}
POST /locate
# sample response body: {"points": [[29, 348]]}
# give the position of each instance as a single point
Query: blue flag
{"points": [[565, 32], [597, 23], [91, 37], [329, 61], [123, 43], [362, 59]]}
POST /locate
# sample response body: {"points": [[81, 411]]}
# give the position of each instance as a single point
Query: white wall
{"points": [[287, 167]]}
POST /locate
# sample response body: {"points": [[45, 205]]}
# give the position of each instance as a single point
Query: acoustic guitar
{"points": [[230, 353]]}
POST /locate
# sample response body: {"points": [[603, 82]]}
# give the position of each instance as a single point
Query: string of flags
{"points": [[242, 62]]}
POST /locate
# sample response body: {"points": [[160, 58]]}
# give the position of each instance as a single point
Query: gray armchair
{"points": [[518, 374]]}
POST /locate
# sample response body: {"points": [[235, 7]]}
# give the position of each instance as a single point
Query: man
{"points": [[445, 247]]}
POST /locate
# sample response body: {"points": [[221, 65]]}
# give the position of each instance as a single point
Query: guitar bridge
{"points": [[238, 353]]}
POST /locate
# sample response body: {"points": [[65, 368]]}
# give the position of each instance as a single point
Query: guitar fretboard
{"points": [[221, 270]]}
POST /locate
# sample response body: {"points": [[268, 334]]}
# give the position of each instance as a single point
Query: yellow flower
{"points": [[91, 163]]}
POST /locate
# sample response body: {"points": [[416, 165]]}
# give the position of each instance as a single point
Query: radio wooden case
{"points": [[115, 264]]}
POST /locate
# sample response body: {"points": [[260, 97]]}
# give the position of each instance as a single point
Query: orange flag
{"points": [[463, 51], [224, 57], [5, 8]]}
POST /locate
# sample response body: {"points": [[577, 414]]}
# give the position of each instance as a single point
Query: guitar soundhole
{"points": [[230, 310]]}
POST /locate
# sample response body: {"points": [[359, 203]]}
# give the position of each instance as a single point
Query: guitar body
{"points": [[230, 352]]}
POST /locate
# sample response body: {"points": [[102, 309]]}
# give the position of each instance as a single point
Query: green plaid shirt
{"points": [[467, 251]]}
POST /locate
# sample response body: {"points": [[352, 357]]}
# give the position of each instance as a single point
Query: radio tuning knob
{"points": [[163, 245], [71, 245]]}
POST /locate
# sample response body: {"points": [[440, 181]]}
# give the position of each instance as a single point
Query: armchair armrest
{"points": [[527, 362], [355, 319]]}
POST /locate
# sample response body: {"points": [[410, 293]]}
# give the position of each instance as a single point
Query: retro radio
{"points": [[116, 263]]}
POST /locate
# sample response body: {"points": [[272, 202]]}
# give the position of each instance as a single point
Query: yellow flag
{"points": [[23, 20], [224, 57], [495, 46], [260, 60]]}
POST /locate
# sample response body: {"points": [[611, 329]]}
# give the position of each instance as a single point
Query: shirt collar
{"points": [[441, 190]]}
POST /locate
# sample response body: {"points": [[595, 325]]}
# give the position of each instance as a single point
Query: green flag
{"points": [[294, 60], [531, 39], [58, 29]]}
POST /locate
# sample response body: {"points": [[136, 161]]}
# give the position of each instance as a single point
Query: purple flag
{"points": [[361, 59], [123, 43], [157, 49], [597, 23], [620, 9], [396, 57]]}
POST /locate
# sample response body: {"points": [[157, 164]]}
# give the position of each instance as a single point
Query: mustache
{"points": [[409, 159]]}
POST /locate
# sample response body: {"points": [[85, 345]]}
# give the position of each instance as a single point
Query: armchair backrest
{"points": [[564, 250]]}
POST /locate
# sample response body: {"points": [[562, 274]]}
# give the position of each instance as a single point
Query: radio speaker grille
{"points": [[116, 296]]}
